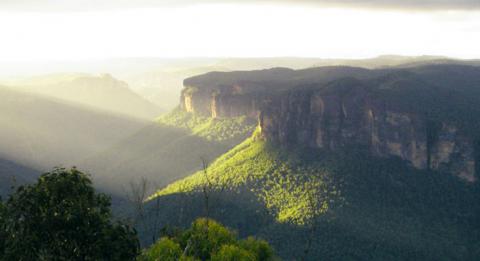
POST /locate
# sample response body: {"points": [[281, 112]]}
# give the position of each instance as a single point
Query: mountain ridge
{"points": [[321, 107], [99, 92]]}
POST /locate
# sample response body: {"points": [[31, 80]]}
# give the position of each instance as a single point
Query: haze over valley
{"points": [[154, 130]]}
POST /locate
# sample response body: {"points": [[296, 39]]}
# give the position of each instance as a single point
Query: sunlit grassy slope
{"points": [[284, 184], [366, 208]]}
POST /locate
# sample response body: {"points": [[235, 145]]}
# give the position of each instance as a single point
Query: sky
{"points": [[68, 30]]}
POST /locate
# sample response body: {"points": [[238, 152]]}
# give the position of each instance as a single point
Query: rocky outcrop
{"points": [[341, 114], [332, 121], [222, 102]]}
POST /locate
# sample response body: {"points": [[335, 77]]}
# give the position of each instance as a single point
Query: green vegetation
{"points": [[164, 249], [346, 204], [168, 150], [208, 240], [364, 207], [62, 218], [231, 130], [3, 234], [283, 183], [442, 93]]}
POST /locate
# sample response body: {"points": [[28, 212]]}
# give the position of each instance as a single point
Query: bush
{"points": [[233, 253], [165, 249], [207, 239], [260, 248]]}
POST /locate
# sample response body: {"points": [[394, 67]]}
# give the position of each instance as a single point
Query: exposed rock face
{"points": [[194, 101], [222, 102], [332, 121], [338, 116], [453, 152]]}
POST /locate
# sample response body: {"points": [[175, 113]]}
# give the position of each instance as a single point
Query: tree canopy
{"points": [[207, 239], [61, 217]]}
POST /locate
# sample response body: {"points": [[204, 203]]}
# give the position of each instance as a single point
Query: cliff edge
{"points": [[428, 116]]}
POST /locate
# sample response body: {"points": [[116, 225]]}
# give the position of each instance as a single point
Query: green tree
{"points": [[259, 248], [61, 217], [207, 239], [165, 249], [233, 253]]}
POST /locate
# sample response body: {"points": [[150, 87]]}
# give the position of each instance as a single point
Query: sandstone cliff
{"points": [[388, 112]]}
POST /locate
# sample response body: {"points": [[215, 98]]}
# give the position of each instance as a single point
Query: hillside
{"points": [[40, 132], [362, 207], [99, 92], [426, 115], [346, 163], [171, 148], [272, 177]]}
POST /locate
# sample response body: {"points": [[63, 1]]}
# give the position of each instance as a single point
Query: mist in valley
{"points": [[333, 130]]}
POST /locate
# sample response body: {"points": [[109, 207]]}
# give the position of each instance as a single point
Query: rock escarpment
{"points": [[333, 121], [224, 102], [389, 114]]}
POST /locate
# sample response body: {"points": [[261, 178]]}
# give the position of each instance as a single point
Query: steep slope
{"points": [[272, 176], [344, 205], [99, 92], [346, 164], [41, 132], [170, 149]]}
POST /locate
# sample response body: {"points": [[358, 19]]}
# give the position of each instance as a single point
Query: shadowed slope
{"points": [[170, 149], [41, 132]]}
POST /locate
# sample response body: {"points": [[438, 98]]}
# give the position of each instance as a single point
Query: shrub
{"points": [[207, 239]]}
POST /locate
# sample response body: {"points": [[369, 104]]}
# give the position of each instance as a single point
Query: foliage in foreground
{"points": [[208, 240], [62, 218]]}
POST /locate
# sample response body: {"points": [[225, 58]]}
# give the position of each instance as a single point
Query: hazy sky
{"points": [[38, 30]]}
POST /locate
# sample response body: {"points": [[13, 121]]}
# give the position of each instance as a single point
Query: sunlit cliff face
{"points": [[235, 30]]}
